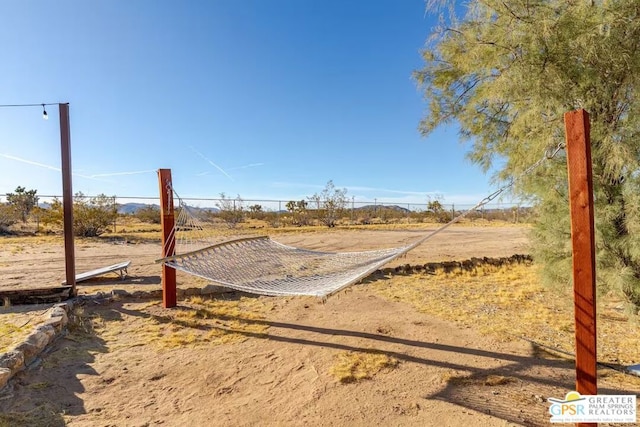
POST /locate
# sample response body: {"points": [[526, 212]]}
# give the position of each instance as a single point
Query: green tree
{"points": [[23, 202], [329, 203], [92, 216], [507, 73]]}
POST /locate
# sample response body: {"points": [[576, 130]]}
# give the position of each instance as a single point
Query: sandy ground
{"points": [[282, 378]]}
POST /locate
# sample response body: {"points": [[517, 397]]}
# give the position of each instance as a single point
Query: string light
{"points": [[45, 115]]}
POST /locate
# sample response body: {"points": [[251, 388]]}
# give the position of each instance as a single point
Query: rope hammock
{"points": [[264, 266], [260, 265]]}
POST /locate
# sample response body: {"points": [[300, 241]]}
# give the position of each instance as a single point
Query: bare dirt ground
{"points": [[276, 368]]}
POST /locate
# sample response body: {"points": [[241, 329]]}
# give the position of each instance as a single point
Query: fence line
{"points": [[279, 205], [276, 213]]}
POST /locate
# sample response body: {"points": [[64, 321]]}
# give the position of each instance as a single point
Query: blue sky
{"points": [[262, 99]]}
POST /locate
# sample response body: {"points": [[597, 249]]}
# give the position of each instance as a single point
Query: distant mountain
{"points": [[132, 208], [380, 207], [195, 209]]}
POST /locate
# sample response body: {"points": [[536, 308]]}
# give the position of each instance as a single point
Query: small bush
{"points": [[92, 216], [149, 214], [8, 217]]}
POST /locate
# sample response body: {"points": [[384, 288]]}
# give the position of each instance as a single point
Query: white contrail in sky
{"points": [[212, 164], [94, 177], [30, 162]]}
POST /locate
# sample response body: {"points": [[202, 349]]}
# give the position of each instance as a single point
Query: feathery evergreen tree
{"points": [[507, 72]]}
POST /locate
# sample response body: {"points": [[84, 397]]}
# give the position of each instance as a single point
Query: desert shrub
{"points": [[7, 217], [390, 214], [256, 212], [366, 215], [273, 219], [231, 210], [437, 212], [329, 204], [92, 216], [149, 214]]}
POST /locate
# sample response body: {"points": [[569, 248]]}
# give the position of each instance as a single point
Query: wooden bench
{"points": [[120, 268]]}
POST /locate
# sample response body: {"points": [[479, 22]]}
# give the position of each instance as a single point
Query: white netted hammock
{"points": [[260, 265]]}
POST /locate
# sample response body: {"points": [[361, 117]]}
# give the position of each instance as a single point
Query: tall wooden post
{"points": [[167, 221], [583, 239], [67, 198]]}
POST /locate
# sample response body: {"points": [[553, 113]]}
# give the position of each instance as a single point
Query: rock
{"points": [[5, 374], [55, 323], [59, 314], [12, 360], [36, 342]]}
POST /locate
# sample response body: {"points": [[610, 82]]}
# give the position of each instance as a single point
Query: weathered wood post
{"points": [[67, 198], [167, 221], [583, 239]]}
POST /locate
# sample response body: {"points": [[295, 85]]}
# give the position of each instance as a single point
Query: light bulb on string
{"points": [[44, 113]]}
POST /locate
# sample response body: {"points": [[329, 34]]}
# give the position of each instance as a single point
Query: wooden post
{"points": [[67, 198], [167, 221], [583, 239]]}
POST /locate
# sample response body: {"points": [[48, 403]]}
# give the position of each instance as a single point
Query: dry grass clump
{"points": [[509, 302], [17, 323], [41, 416], [10, 333], [10, 241], [355, 366], [455, 378]]}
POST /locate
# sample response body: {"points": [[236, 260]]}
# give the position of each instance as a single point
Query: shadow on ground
{"points": [[42, 394], [516, 391]]}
